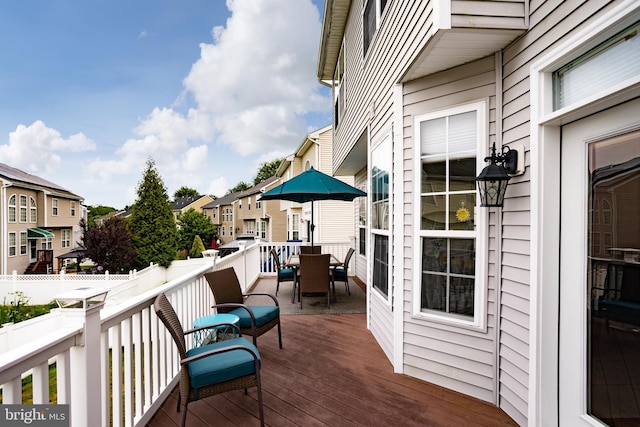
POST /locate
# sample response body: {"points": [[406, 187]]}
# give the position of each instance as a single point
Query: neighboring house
{"points": [[497, 303], [183, 204], [257, 217], [221, 212], [39, 220], [333, 219]]}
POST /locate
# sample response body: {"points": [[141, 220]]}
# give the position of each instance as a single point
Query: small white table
{"points": [[218, 328]]}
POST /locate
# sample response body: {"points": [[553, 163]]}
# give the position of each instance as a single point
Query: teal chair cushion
{"points": [[221, 367], [285, 274], [339, 273], [263, 314]]}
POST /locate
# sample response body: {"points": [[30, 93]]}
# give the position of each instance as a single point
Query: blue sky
{"points": [[90, 90]]}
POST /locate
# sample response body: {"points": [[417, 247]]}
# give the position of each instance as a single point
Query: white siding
{"points": [[457, 358]]}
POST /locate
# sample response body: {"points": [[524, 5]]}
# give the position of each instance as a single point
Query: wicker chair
{"points": [[317, 250], [212, 369], [340, 274], [315, 276], [255, 320], [285, 274]]}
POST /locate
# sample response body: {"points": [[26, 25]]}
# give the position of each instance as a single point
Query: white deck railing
{"points": [[115, 365]]}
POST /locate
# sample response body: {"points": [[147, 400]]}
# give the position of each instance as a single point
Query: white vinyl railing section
{"points": [[115, 364]]}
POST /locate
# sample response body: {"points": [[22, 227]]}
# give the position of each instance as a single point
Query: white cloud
{"points": [[37, 148], [251, 89]]}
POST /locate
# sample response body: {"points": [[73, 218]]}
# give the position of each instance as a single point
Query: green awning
{"points": [[39, 233]]}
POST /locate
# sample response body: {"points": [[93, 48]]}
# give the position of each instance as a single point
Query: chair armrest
{"points": [[214, 351], [275, 300]]}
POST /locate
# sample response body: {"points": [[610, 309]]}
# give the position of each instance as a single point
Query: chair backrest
{"points": [[311, 250], [314, 272], [276, 258], [225, 287], [168, 316], [347, 259]]}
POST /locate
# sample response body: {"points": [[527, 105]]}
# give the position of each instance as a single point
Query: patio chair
{"points": [[315, 276], [311, 250], [212, 369], [254, 319], [340, 273], [285, 274]]}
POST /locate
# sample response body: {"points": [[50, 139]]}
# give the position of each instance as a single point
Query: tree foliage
{"points": [[191, 224], [185, 192], [196, 248], [267, 170], [94, 212], [152, 226], [109, 245], [241, 186]]}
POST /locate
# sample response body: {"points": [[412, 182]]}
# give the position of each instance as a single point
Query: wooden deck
{"points": [[331, 372]]}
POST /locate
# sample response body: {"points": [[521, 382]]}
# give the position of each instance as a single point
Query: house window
{"points": [[446, 216], [250, 227], [66, 238], [12, 244], [54, 207], [362, 222], [222, 232], [249, 204], [12, 208], [380, 173], [33, 210], [258, 204], [262, 229], [23, 243], [371, 17], [294, 229], [72, 205], [612, 62], [23, 208]]}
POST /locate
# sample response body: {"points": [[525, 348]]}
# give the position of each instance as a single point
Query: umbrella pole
{"points": [[312, 224]]}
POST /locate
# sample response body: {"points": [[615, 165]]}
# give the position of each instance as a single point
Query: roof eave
{"points": [[334, 22]]}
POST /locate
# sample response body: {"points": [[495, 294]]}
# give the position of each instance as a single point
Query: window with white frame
{"points": [[23, 243], [54, 207], [12, 214], [66, 238], [249, 204], [371, 17], [72, 207], [448, 280], [33, 210], [12, 244], [23, 208], [262, 229], [294, 227], [222, 230], [380, 175], [362, 222]]}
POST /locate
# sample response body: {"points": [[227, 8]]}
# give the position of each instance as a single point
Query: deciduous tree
{"points": [[109, 245], [192, 223]]}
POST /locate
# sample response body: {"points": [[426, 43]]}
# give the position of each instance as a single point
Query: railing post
{"points": [[243, 254], [85, 357]]}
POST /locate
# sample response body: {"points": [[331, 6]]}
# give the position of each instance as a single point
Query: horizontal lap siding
{"points": [[488, 14], [457, 358], [550, 21]]}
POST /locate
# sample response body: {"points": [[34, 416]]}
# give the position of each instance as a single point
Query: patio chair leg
{"points": [[184, 416]]}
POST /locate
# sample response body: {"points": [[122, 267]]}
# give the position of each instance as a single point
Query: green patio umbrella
{"points": [[312, 185]]}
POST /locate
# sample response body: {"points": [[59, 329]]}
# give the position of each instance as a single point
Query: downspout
{"points": [[498, 302]]}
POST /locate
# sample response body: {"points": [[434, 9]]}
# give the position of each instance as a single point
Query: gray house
{"points": [[533, 306]]}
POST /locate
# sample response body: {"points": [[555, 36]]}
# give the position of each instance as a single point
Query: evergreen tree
{"points": [[185, 192], [196, 248], [153, 229], [109, 245], [191, 224]]}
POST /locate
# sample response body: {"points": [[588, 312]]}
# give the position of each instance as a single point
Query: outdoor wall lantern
{"points": [[493, 180]]}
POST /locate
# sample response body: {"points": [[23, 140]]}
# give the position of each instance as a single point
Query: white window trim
{"points": [[479, 321], [15, 209], [33, 209], [55, 207], [72, 208], [545, 174], [23, 234], [14, 246], [385, 299]]}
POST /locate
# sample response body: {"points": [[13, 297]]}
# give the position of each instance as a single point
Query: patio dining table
{"points": [[294, 262]]}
